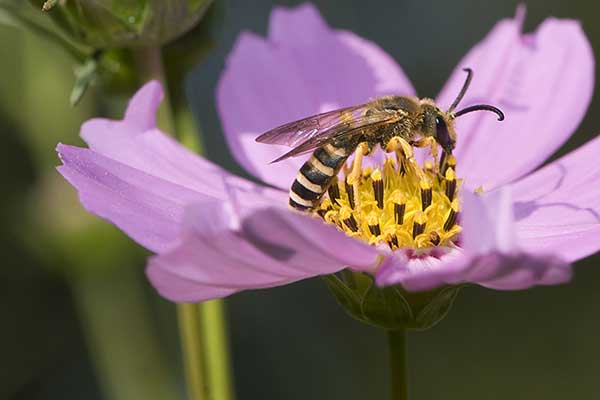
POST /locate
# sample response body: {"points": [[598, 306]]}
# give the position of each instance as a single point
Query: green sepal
{"points": [[386, 308], [19, 16], [391, 307]]}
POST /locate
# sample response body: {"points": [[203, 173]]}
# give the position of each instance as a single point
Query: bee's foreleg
{"points": [[404, 152], [433, 148], [355, 174], [396, 143]]}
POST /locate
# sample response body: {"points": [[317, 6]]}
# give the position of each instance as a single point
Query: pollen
{"points": [[400, 203]]}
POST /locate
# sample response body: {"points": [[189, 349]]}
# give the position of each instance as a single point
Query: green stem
{"points": [[203, 327], [398, 365], [102, 271], [119, 334], [191, 343], [216, 342]]}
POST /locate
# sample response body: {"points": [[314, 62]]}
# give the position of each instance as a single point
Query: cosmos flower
{"points": [[215, 234]]}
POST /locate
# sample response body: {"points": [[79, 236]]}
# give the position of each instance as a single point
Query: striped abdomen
{"points": [[317, 173]]}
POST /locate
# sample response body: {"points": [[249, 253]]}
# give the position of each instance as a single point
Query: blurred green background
{"points": [[79, 320]]}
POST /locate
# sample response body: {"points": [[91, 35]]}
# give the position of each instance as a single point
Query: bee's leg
{"points": [[404, 152], [353, 178], [367, 150], [433, 148], [396, 144]]}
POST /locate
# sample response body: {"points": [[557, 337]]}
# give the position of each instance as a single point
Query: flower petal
{"points": [[490, 239], [136, 142], [517, 271], [558, 207], [488, 222], [542, 81], [303, 68], [322, 238], [140, 179], [416, 274], [490, 254], [223, 252], [495, 271], [181, 289], [141, 111], [146, 207]]}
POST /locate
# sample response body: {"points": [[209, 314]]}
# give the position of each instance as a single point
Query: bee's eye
{"points": [[442, 136]]}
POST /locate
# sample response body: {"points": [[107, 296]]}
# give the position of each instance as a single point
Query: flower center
{"points": [[400, 203]]}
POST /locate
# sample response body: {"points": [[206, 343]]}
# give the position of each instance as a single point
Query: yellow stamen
{"points": [[373, 223], [448, 161], [334, 191], [426, 194], [402, 204], [452, 216], [419, 224], [399, 202], [378, 187], [347, 217], [450, 184], [428, 167], [350, 193], [434, 238]]}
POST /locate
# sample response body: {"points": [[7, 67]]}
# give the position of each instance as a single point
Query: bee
{"points": [[386, 121]]}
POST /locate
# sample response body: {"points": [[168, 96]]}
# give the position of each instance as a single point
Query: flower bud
{"points": [[128, 23], [390, 307]]}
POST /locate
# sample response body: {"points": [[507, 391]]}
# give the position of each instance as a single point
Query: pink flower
{"points": [[215, 234]]}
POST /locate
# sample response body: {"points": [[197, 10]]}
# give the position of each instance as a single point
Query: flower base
{"points": [[392, 307]]}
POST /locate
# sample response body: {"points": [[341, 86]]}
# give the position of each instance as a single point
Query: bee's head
{"points": [[445, 134], [438, 124]]}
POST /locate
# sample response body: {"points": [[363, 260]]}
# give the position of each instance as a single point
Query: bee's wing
{"points": [[294, 133], [346, 129]]}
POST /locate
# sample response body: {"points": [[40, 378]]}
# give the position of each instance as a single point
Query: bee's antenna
{"points": [[460, 96], [481, 107]]}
